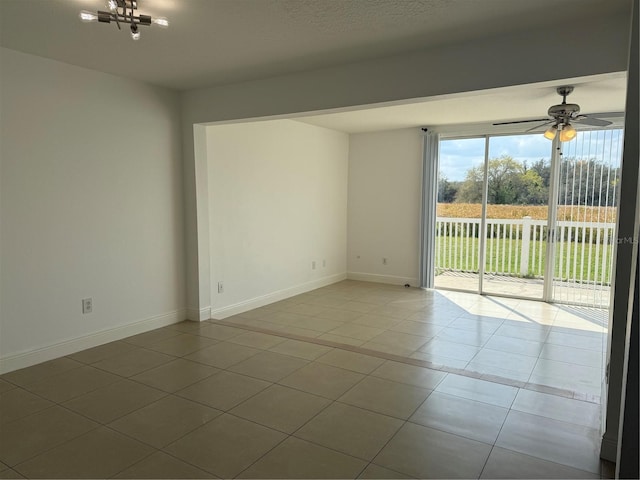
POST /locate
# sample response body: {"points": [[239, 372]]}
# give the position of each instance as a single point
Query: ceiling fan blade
{"points": [[539, 126], [523, 121], [596, 122]]}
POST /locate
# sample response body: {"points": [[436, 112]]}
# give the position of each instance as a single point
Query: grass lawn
{"points": [[580, 262]]}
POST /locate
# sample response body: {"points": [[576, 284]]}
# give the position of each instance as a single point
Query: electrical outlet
{"points": [[87, 305], [220, 287], [384, 261], [313, 265]]}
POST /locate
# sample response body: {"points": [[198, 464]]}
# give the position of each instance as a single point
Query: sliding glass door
{"points": [[520, 216]]}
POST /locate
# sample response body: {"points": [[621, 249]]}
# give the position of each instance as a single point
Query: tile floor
{"points": [[206, 400]]}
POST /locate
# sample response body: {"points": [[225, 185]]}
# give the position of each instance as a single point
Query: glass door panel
{"points": [[518, 176], [459, 213], [589, 173]]}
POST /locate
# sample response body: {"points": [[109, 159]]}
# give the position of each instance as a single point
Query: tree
{"points": [[447, 190]]}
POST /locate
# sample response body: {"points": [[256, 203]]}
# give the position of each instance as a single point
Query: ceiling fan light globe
{"points": [[568, 133], [551, 132]]}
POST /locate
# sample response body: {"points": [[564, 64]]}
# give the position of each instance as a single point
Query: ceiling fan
{"points": [[561, 118]]}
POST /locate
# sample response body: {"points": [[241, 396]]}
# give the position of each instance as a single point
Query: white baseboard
{"points": [[246, 305], [39, 355], [390, 279], [196, 315]]}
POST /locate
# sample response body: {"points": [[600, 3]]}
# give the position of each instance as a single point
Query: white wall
{"points": [[385, 171], [91, 206], [277, 202]]}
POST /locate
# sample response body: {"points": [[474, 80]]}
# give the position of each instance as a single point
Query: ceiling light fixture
{"points": [[122, 11]]}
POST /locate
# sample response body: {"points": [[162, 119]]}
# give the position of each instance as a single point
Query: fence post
{"points": [[526, 240]]}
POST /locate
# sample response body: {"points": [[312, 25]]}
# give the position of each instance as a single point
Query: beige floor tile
{"points": [[376, 471], [444, 348], [72, 383], [175, 375], [383, 396], [100, 453], [153, 336], [460, 416], [341, 340], [223, 390], [95, 354], [318, 324], [257, 340], [390, 349], [411, 342], [376, 321], [512, 465], [281, 408], [161, 465], [6, 386], [282, 318], [479, 390], [428, 330], [292, 330], [422, 452], [296, 348], [398, 312], [226, 446], [29, 436], [10, 473], [323, 380], [463, 336], [164, 421], [339, 315], [553, 368], [220, 332], [356, 331], [410, 374], [477, 369], [17, 403], [295, 458], [223, 354], [269, 366], [506, 360], [437, 360], [560, 442], [355, 362], [113, 401], [29, 375], [182, 344], [514, 345], [523, 331], [133, 362], [558, 408], [350, 430], [305, 309], [578, 356], [360, 307]]}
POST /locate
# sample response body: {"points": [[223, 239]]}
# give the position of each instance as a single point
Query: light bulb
{"points": [[161, 22], [113, 5], [88, 16], [567, 133], [550, 134], [135, 34]]}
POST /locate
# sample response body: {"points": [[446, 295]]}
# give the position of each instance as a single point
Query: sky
{"points": [[458, 155]]}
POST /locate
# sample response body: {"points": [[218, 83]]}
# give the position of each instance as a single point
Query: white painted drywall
{"points": [[277, 203], [91, 205], [384, 206]]}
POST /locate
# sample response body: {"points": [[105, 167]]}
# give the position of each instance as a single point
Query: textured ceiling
{"points": [[211, 42], [596, 94]]}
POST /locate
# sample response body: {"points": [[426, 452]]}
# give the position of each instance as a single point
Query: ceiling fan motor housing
{"points": [[564, 111]]}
